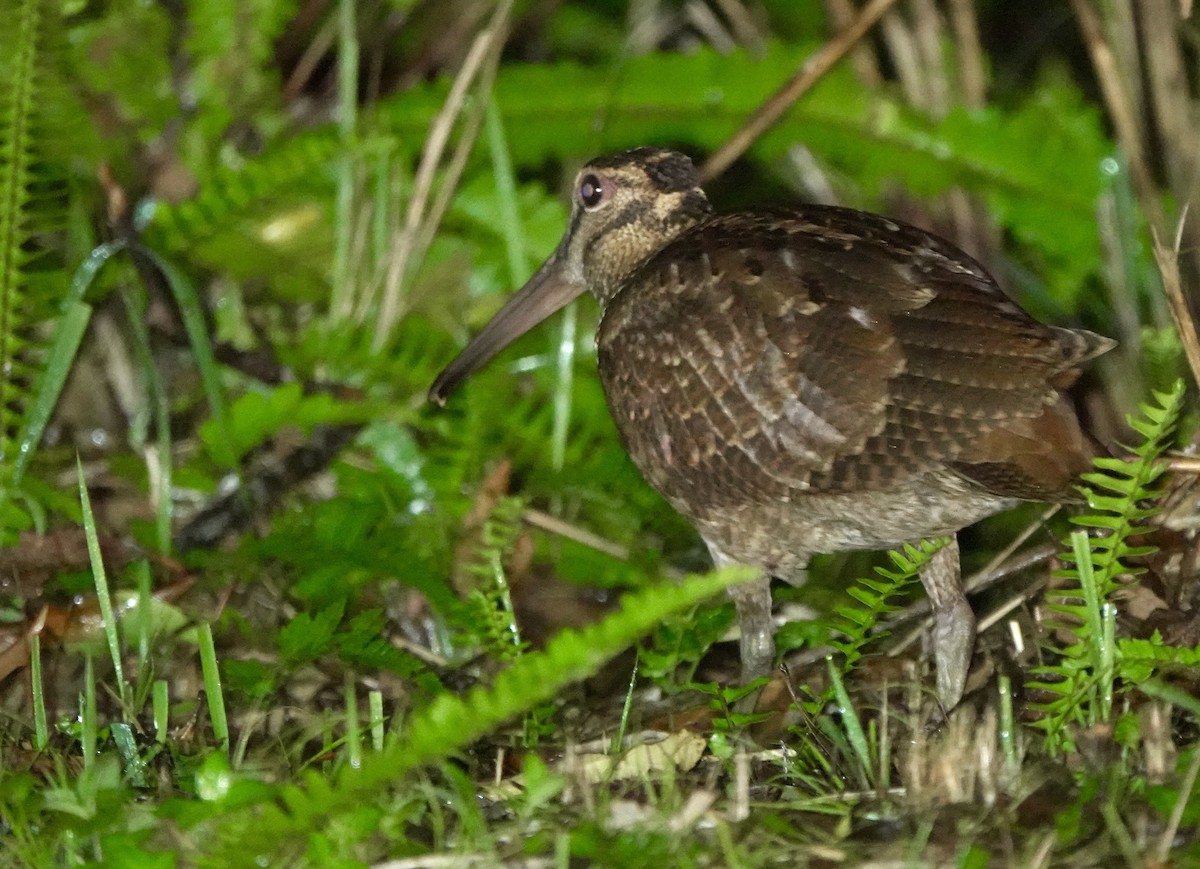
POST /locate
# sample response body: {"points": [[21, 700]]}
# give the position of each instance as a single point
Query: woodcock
{"points": [[805, 380]]}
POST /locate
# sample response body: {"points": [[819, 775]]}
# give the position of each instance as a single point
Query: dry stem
{"points": [[774, 108]]}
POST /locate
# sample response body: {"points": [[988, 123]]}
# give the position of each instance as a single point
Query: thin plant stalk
{"points": [[1008, 735], [353, 734], [41, 730], [375, 707], [342, 303]]}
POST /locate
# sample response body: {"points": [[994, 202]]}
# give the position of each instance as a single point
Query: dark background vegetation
{"points": [[249, 575]]}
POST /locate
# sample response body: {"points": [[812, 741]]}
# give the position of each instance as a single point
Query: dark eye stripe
{"points": [[631, 213]]}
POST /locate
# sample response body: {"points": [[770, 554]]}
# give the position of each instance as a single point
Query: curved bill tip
{"points": [[546, 292]]}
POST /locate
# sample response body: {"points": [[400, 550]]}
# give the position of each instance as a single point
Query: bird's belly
{"points": [[782, 535]]}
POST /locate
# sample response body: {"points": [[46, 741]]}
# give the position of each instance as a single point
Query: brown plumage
{"points": [[807, 380]]}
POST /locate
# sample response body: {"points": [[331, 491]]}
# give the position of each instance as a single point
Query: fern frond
{"points": [[1122, 496], [858, 623], [490, 603], [17, 153], [230, 43], [230, 193], [33, 209], [1141, 659]]}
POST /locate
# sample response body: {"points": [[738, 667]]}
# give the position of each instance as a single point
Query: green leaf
{"points": [[258, 415], [307, 637]]}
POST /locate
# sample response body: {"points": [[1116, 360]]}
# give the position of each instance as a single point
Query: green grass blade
{"points": [[1008, 733], [1162, 691], [197, 332], [103, 597], [353, 734], [161, 472], [144, 613], [135, 766], [626, 708], [161, 705], [850, 722], [87, 714], [564, 373], [375, 706], [213, 694], [342, 296], [41, 731], [506, 197], [64, 344], [68, 333], [1091, 594]]}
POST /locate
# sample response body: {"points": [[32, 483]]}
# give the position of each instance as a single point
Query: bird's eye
{"points": [[591, 193]]}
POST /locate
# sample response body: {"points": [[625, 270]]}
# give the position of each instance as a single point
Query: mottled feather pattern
{"points": [[850, 352]]}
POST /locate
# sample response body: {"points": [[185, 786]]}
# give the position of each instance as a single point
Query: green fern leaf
{"points": [[17, 153], [1082, 679], [857, 624]]}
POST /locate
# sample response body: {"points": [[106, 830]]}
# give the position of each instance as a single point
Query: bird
{"points": [[807, 379]]}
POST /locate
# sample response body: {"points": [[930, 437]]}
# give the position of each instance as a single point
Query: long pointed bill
{"points": [[546, 292]]}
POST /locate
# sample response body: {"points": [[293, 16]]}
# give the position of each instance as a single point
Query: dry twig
{"points": [[420, 222], [1167, 260], [774, 108]]}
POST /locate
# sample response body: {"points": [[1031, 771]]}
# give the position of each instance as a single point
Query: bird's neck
{"points": [[614, 255]]}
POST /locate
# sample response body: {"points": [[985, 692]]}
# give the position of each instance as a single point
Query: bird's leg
{"points": [[953, 622], [753, 602]]}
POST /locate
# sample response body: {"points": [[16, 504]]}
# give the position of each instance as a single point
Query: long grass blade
{"points": [[87, 714], [68, 334], [158, 461], [342, 297], [145, 604], [100, 578], [375, 706], [850, 721], [41, 731], [197, 332], [213, 694]]}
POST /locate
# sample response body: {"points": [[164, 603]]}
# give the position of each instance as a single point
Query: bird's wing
{"points": [[827, 350]]}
